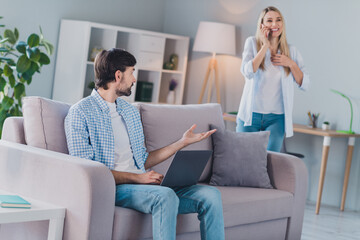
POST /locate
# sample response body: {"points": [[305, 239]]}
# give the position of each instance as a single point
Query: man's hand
{"points": [[190, 137], [150, 177]]}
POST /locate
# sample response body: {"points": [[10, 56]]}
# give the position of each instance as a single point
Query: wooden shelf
{"points": [[172, 71]]}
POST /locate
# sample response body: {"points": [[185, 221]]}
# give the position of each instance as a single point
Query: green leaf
{"points": [[3, 116], [10, 35], [33, 68], [19, 91], [48, 47], [5, 58], [2, 49], [21, 47], [2, 25], [7, 70], [8, 60], [26, 75], [33, 53], [23, 64], [21, 79], [16, 33], [44, 59], [29, 81], [7, 102], [4, 40], [1, 71], [33, 40], [12, 80], [11, 62], [15, 111], [2, 84]]}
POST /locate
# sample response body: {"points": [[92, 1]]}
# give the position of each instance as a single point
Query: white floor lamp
{"points": [[216, 38]]}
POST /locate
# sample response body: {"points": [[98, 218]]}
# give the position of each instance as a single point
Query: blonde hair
{"points": [[283, 45]]}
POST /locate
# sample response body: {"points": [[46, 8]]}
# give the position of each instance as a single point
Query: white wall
{"points": [[325, 32]]}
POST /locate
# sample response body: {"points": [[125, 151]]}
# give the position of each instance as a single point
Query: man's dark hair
{"points": [[107, 62]]}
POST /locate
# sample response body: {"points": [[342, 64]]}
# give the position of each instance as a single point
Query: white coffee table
{"points": [[38, 211]]}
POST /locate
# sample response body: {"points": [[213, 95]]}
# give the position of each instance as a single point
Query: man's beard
{"points": [[126, 92]]}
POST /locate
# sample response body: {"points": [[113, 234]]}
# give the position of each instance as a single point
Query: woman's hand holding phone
{"points": [[266, 35]]}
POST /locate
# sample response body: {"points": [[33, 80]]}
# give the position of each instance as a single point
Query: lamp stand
{"points": [[351, 111], [212, 67]]}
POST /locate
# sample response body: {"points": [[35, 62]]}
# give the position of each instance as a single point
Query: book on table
{"points": [[13, 201]]}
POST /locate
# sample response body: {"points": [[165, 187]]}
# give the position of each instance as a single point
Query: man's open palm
{"points": [[190, 137]]}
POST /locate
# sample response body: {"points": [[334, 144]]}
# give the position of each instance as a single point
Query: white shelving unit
{"points": [[74, 68]]}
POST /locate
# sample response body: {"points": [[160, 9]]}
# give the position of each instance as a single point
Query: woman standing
{"points": [[270, 67]]}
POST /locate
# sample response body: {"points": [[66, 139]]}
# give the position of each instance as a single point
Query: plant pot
{"points": [[325, 126]]}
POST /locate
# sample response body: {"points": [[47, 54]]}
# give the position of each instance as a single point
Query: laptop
{"points": [[186, 168]]}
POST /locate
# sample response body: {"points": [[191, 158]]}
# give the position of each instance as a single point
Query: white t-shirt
{"points": [[268, 96], [124, 160]]}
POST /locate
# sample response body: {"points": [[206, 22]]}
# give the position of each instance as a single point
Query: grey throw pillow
{"points": [[240, 159]]}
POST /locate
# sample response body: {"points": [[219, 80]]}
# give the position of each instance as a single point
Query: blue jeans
{"points": [[275, 123], [165, 203]]}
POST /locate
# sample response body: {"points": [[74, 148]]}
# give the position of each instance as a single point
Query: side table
{"points": [[38, 211]]}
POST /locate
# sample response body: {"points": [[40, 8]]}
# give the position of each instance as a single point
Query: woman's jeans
{"points": [[275, 123], [166, 203]]}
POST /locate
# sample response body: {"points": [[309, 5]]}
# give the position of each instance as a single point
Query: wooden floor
{"points": [[330, 224]]}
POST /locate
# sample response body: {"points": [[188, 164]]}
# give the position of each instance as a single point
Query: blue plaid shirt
{"points": [[89, 132]]}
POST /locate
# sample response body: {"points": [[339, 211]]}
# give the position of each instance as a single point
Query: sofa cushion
{"points": [[165, 124], [241, 206], [240, 159], [44, 123], [244, 205]]}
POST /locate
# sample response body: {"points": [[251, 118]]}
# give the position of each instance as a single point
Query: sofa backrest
{"points": [[43, 126], [165, 124]]}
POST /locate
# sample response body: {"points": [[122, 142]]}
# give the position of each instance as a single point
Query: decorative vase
{"points": [[171, 97], [95, 52], [174, 59]]}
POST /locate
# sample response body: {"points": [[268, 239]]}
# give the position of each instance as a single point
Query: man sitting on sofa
{"points": [[105, 128]]}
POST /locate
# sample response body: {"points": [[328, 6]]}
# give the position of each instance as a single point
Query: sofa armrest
{"points": [[290, 174], [13, 130], [85, 188]]}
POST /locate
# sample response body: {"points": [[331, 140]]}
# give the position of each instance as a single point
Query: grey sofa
{"points": [[34, 163]]}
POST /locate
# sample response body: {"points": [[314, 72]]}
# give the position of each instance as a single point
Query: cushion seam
{"points": [[42, 123]]}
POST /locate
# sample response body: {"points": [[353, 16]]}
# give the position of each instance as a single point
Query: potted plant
{"points": [[19, 61]]}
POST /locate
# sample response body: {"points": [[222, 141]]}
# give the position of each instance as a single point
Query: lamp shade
{"points": [[215, 37]]}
